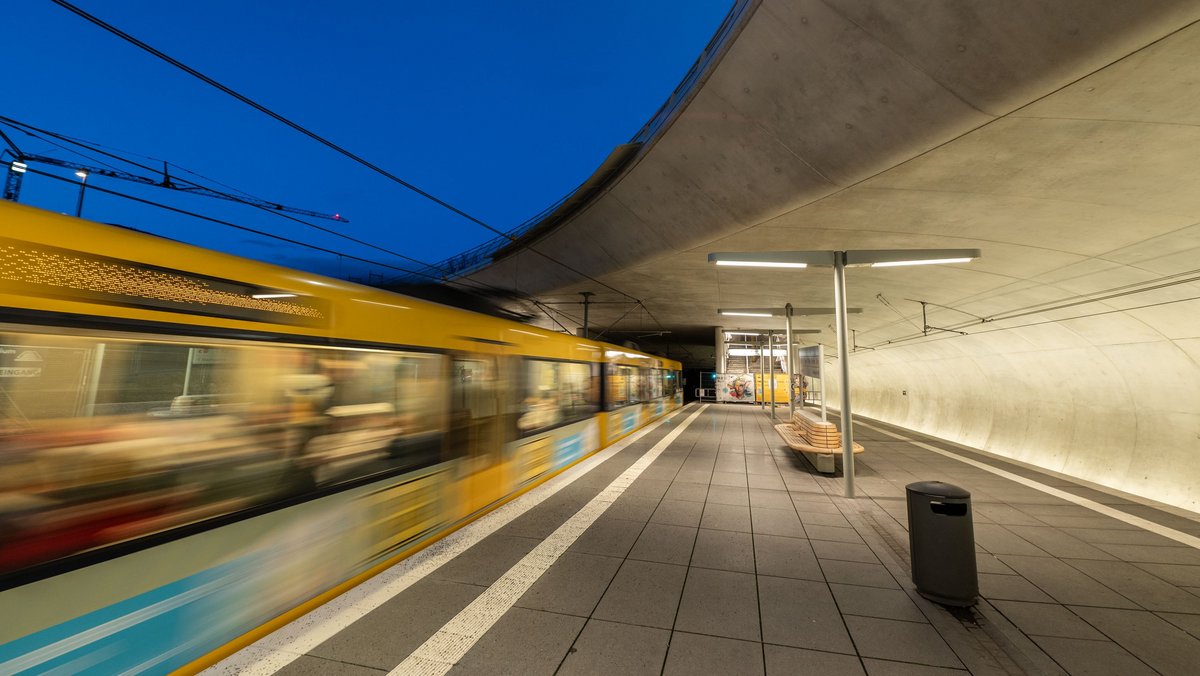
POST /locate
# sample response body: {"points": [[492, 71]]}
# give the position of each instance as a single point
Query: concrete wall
{"points": [[1109, 398]]}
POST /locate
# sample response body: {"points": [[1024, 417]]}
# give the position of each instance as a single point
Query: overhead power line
{"points": [[316, 137]]}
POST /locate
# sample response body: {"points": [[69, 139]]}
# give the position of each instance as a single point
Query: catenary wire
{"points": [[316, 137]]}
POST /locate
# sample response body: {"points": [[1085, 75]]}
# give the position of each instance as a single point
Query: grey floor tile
{"points": [[664, 543], [1149, 554], [724, 550], [823, 518], [307, 665], [613, 648], [988, 563], [770, 521], [765, 481], [694, 476], [644, 593], [1000, 540], [1122, 536], [801, 614], [678, 513], [484, 563], [1066, 583], [786, 557], [900, 641], [728, 495], [1004, 514], [770, 498], [832, 533], [692, 492], [726, 517], [1010, 587], [844, 551], [736, 479], [886, 668], [573, 585], [810, 509], [608, 537], [1184, 576], [632, 508], [863, 574], [1058, 543], [1148, 637], [522, 642], [1094, 658], [1139, 586], [648, 488], [719, 603], [892, 604], [1188, 623], [407, 621], [691, 654], [1047, 619], [784, 661]]}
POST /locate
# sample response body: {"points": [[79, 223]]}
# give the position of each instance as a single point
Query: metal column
{"points": [[791, 358], [839, 295], [762, 377], [771, 356]]}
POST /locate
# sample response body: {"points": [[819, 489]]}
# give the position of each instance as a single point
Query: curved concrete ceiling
{"points": [[1060, 138]]}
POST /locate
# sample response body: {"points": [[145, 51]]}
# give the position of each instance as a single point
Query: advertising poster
{"points": [[735, 387]]}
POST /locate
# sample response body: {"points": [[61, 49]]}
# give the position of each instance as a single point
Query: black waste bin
{"points": [[941, 538]]}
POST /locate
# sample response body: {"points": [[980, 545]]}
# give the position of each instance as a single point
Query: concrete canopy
{"points": [[1060, 138]]}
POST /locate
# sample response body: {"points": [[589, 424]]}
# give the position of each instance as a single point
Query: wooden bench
{"points": [[817, 438]]}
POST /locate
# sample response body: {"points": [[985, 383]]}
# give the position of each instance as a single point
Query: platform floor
{"points": [[728, 554]]}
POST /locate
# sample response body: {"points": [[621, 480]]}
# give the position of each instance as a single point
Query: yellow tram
{"points": [[195, 446]]}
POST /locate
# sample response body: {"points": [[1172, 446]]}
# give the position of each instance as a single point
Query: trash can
{"points": [[941, 539]]}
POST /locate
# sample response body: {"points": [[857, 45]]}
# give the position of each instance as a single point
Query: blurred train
{"points": [[195, 447]]}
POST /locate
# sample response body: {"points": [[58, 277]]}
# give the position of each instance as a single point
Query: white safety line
{"points": [[285, 645], [450, 643], [1178, 536]]}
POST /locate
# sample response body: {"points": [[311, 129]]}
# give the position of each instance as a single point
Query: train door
{"points": [[476, 433]]}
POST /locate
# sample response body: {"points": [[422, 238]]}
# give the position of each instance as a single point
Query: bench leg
{"points": [[824, 462]]}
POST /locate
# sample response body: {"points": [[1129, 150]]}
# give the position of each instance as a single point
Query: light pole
{"points": [[83, 175], [839, 261]]}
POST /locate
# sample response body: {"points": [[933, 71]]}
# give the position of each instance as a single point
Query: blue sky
{"points": [[498, 108]]}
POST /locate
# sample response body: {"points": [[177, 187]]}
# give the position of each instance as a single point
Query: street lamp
{"points": [[839, 261], [83, 175]]}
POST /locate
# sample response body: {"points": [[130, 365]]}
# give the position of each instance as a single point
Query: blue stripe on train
{"points": [[568, 449], [136, 634]]}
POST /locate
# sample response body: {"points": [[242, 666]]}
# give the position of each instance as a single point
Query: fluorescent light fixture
{"points": [[762, 264], [772, 259], [743, 333], [755, 352], [932, 261], [885, 258], [81, 174], [731, 313], [264, 296], [19, 167]]}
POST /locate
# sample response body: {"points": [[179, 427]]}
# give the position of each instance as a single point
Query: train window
{"points": [[473, 408], [105, 440], [557, 393], [624, 385]]}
